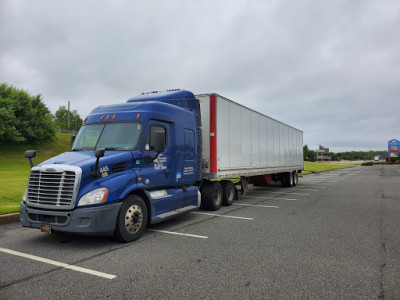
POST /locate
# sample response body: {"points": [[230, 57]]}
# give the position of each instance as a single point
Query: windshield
{"points": [[110, 136]]}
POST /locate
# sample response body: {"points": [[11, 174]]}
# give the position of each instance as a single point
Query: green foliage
{"points": [[61, 120], [358, 155], [313, 167], [25, 118], [308, 155]]}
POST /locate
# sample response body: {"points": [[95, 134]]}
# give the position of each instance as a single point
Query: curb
{"points": [[9, 218]]}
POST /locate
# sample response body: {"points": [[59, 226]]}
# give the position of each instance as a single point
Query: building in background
{"points": [[322, 154]]}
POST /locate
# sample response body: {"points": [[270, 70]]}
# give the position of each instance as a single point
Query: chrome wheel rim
{"points": [[231, 193], [133, 219], [217, 197]]}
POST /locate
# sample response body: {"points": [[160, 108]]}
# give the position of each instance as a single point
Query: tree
{"points": [[24, 118], [61, 120], [308, 155]]}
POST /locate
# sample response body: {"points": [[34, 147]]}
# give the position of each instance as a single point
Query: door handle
{"points": [[166, 173]]}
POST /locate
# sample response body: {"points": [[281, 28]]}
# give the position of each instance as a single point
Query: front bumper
{"points": [[98, 220]]}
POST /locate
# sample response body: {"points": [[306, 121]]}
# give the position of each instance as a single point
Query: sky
{"points": [[328, 68]]}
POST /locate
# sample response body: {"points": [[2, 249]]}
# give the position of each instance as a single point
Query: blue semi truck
{"points": [[158, 155]]}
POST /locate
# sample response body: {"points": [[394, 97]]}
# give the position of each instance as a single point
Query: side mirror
{"points": [[30, 154], [99, 153], [72, 141], [159, 142]]}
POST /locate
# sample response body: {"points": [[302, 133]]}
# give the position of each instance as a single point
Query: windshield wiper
{"points": [[82, 149], [111, 149]]}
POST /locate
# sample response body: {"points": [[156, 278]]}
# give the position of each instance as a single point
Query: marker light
{"points": [[108, 117], [102, 117], [138, 116], [113, 117]]}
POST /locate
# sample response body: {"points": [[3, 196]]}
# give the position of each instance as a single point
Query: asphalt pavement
{"points": [[333, 236]]}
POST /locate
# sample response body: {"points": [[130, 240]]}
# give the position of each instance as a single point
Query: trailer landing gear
{"points": [[244, 185]]}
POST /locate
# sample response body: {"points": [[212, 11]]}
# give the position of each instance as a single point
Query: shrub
{"points": [[25, 118]]}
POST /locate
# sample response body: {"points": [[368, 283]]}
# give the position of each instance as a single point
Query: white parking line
{"points": [[179, 233], [314, 186], [290, 193], [256, 205], [222, 216], [269, 198], [58, 264], [321, 180], [309, 190]]}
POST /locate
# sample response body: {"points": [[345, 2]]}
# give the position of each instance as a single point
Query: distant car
{"points": [[380, 160]]}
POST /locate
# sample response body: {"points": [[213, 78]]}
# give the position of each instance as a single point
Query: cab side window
{"points": [[150, 139]]}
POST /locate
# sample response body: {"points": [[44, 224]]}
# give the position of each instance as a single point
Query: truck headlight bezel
{"points": [[94, 197]]}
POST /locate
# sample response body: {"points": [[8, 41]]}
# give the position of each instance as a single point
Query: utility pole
{"points": [[74, 113], [68, 113]]}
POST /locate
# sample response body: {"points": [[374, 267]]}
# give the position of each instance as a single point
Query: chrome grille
{"points": [[53, 187]]}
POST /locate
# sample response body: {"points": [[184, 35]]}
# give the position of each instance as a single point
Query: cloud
{"points": [[327, 68]]}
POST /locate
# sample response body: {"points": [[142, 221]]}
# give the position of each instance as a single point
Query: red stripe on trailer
{"points": [[213, 134]]}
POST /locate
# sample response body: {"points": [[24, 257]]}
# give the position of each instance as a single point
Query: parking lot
{"points": [[334, 235]]}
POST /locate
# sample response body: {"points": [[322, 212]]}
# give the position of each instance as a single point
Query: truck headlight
{"points": [[94, 197]]}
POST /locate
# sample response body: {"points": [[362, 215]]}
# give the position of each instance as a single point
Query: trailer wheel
{"points": [[290, 179], [287, 179], [284, 180], [211, 196], [132, 220], [228, 192], [295, 178]]}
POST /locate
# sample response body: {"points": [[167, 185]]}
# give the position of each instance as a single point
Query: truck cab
{"points": [[130, 165]]}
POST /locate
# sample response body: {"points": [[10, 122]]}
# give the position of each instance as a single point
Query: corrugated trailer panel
{"points": [[238, 141]]}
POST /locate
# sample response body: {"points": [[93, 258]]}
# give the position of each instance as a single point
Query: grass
{"points": [[14, 168], [312, 167]]}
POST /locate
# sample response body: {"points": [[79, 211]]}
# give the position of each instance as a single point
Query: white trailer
{"points": [[240, 142]]}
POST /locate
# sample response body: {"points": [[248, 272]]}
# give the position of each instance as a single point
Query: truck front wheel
{"points": [[211, 196], [132, 220]]}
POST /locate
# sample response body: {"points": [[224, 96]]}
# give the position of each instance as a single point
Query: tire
{"points": [[284, 180], [228, 192], [211, 196], [132, 220], [290, 179], [295, 178], [287, 179]]}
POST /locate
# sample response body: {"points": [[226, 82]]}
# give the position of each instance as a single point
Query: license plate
{"points": [[45, 228]]}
